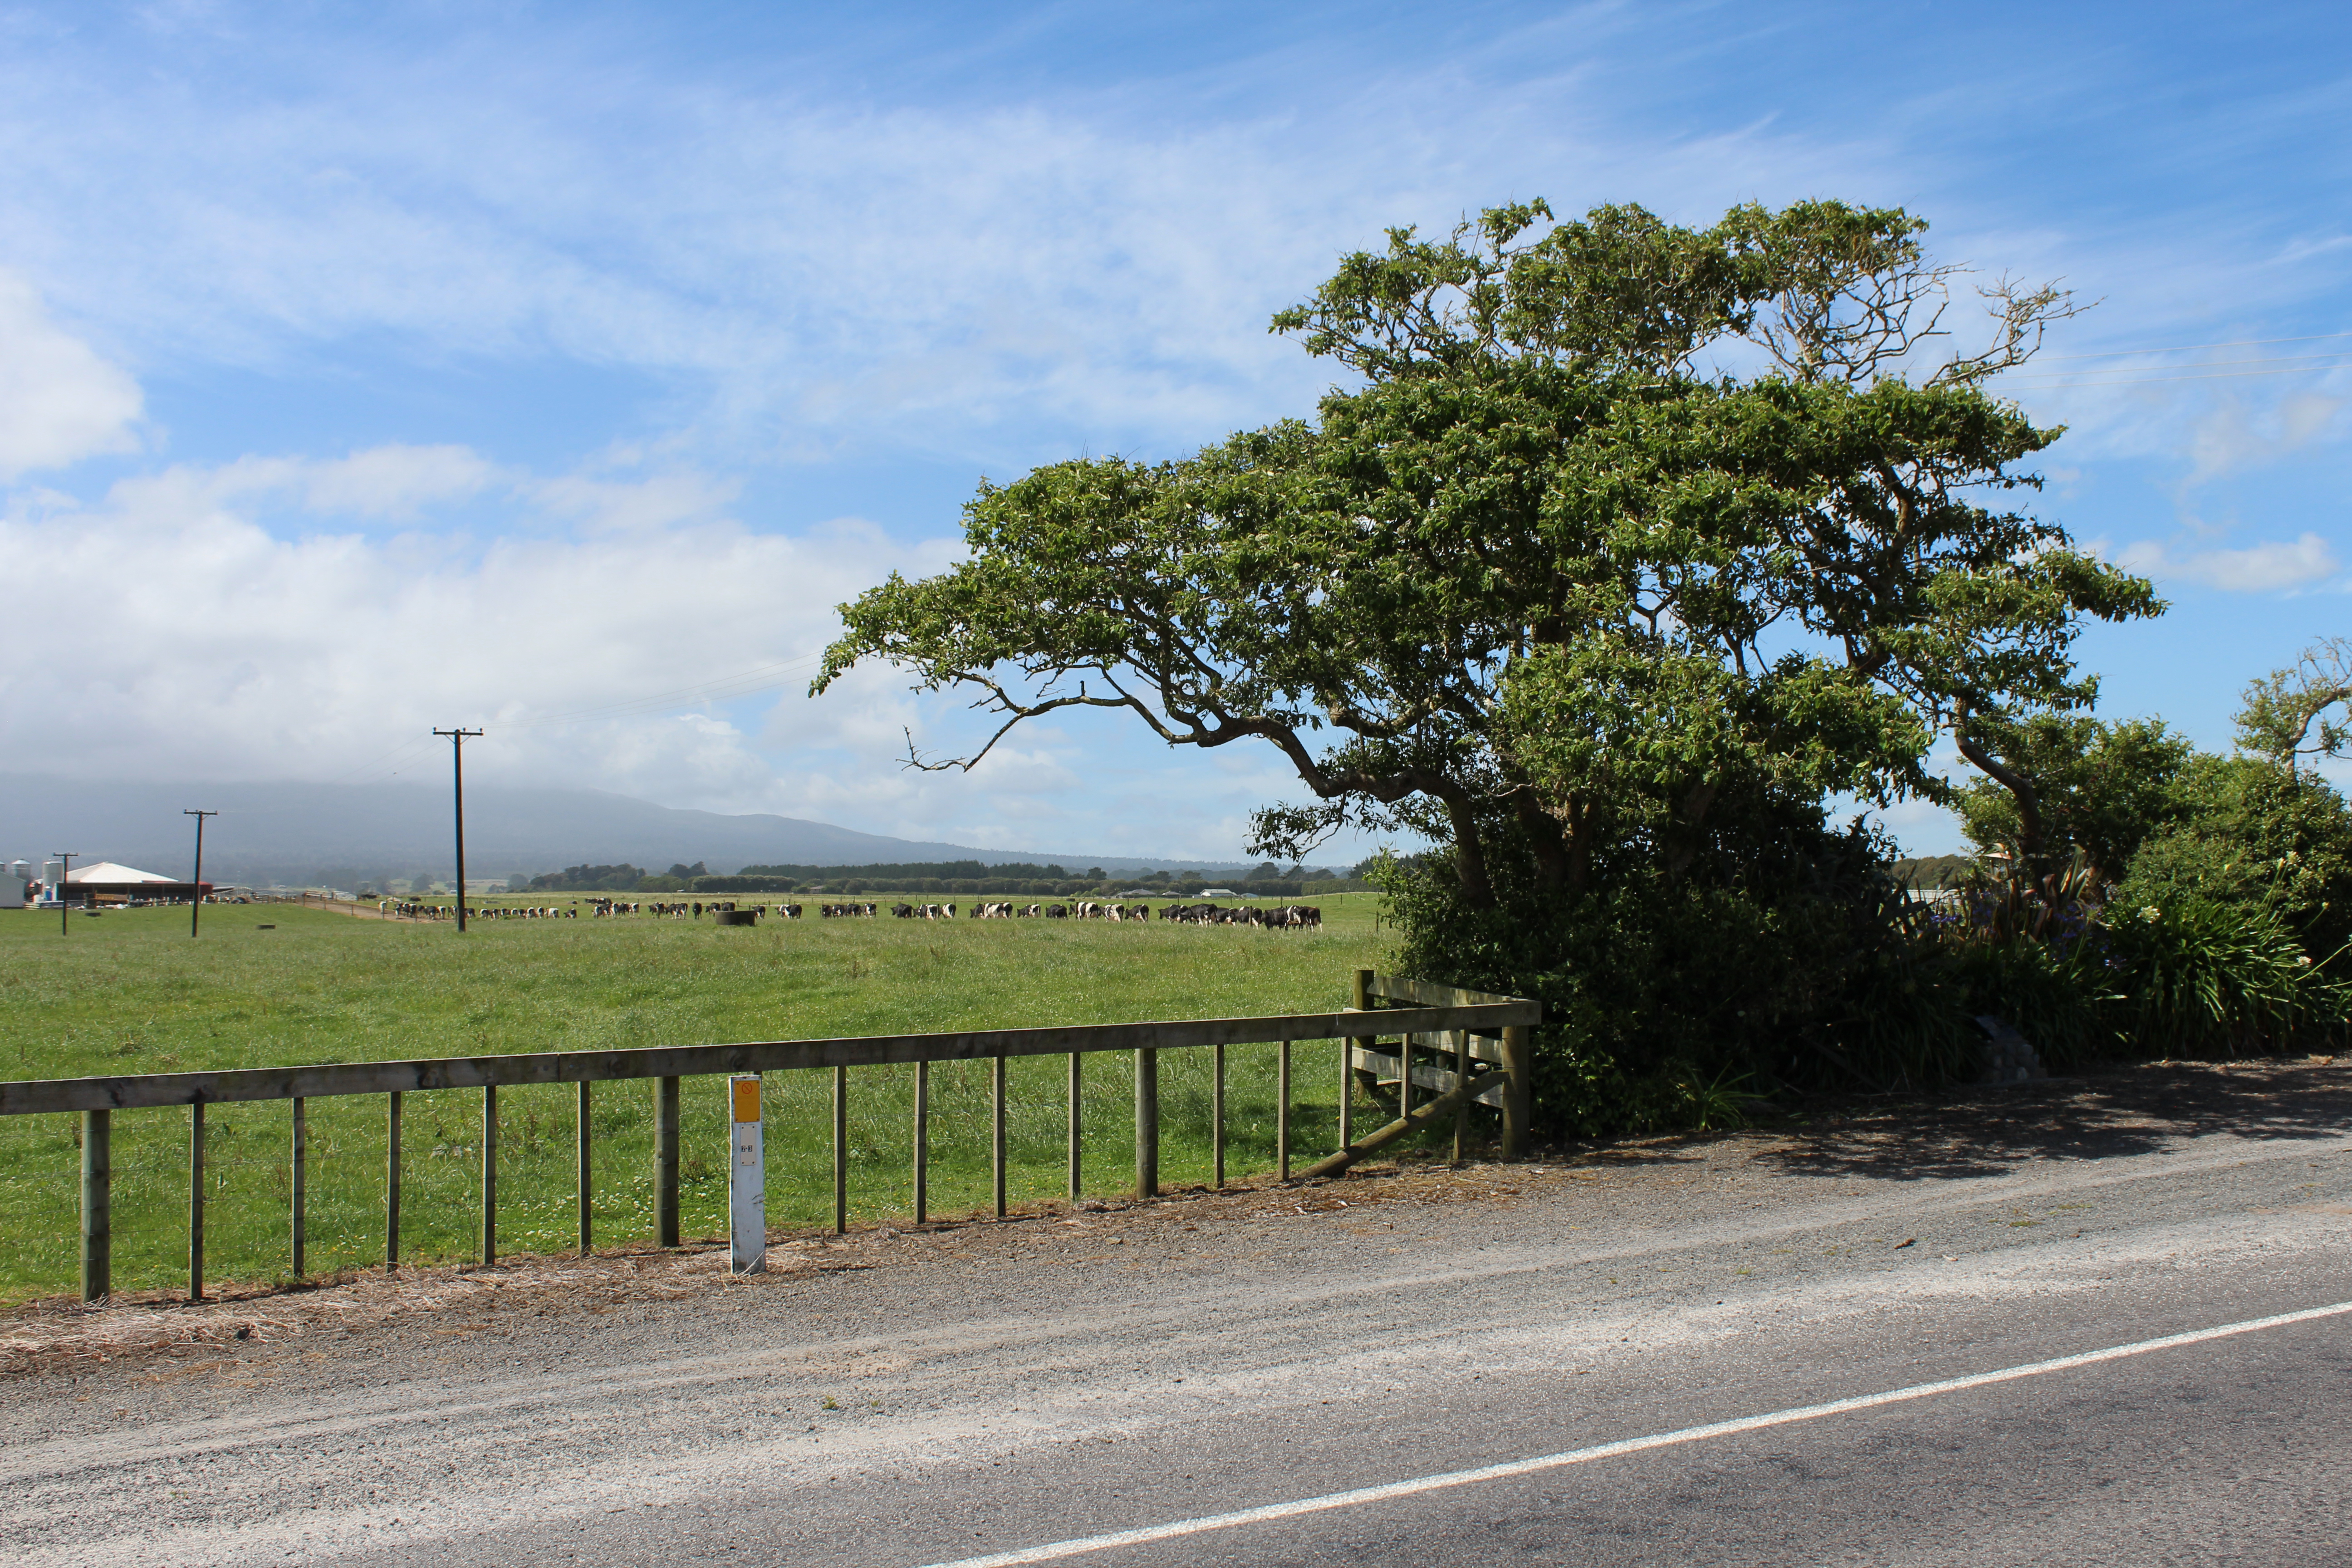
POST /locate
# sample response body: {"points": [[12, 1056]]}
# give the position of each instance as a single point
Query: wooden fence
{"points": [[1434, 1028]]}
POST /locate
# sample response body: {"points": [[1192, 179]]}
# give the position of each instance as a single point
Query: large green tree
{"points": [[1616, 527]]}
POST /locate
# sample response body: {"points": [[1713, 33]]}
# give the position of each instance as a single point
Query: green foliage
{"points": [[1539, 570], [2085, 969], [2100, 789], [1932, 870], [2207, 978], [2250, 833], [1796, 964], [2035, 954]]}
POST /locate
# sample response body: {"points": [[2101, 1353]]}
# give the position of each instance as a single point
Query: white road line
{"points": [[1361, 1495]]}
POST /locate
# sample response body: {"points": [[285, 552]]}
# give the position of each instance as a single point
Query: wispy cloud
{"points": [[803, 267], [2266, 568], [2231, 436], [394, 482]]}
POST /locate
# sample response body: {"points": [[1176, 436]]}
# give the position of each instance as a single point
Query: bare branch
{"points": [[2021, 316]]}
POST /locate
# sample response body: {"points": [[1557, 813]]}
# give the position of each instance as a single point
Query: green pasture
{"points": [[129, 992]]}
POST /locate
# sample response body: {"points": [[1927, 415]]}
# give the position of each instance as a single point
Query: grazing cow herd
{"points": [[1284, 917], [1288, 917]]}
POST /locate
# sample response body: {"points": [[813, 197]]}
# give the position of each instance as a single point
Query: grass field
{"points": [[129, 992]]}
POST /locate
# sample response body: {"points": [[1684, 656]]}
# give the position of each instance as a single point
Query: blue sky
{"points": [[556, 368]]}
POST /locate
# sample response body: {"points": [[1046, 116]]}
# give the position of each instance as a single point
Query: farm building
{"points": [[105, 882]]}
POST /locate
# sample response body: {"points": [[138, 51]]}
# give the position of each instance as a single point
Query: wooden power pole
{"points": [[458, 739]]}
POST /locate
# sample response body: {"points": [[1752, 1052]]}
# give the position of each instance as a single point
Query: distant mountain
{"points": [[300, 833]]}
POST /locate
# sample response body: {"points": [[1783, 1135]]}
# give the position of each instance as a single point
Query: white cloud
{"points": [[217, 648], [2255, 569], [1921, 828], [59, 401], [658, 502], [2231, 437], [393, 482], [666, 659]]}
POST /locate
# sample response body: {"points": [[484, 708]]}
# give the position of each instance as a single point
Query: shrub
{"points": [[2204, 977], [2253, 833], [1803, 967]]}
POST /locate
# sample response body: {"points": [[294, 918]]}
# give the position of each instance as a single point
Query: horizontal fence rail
{"points": [[1433, 1030], [148, 1090]]}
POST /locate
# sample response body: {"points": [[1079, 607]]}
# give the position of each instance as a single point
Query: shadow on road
{"points": [[2112, 1111]]}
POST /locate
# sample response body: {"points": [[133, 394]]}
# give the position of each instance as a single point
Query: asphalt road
{"points": [[978, 1390]]}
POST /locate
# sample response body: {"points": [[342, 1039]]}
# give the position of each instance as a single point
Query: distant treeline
{"points": [[1932, 870], [589, 879]]}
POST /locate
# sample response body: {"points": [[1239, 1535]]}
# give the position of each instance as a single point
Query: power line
{"points": [[2198, 348], [2204, 365], [2155, 380]]}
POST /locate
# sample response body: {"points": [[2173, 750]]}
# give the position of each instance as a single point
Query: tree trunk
{"points": [[2031, 837], [1554, 873], [1470, 856], [1685, 835]]}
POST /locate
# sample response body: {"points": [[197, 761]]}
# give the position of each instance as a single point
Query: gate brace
{"points": [[1444, 1105]]}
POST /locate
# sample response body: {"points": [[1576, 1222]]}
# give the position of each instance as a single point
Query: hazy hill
{"points": [[306, 832]]}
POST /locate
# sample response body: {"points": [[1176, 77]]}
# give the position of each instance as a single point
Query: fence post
{"points": [[747, 1176], [583, 1135], [997, 1119], [1147, 1122], [1217, 1113], [489, 1175], [196, 1201], [666, 1161], [299, 1154], [1461, 1076], [1282, 1115], [840, 1150], [1361, 1002], [97, 1204], [1519, 1092], [922, 1142], [1078, 1098], [391, 1186]]}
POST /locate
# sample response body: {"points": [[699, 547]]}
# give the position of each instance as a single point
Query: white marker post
{"points": [[747, 1179]]}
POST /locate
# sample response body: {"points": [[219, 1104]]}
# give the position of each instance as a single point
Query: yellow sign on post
{"points": [[747, 1179]]}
